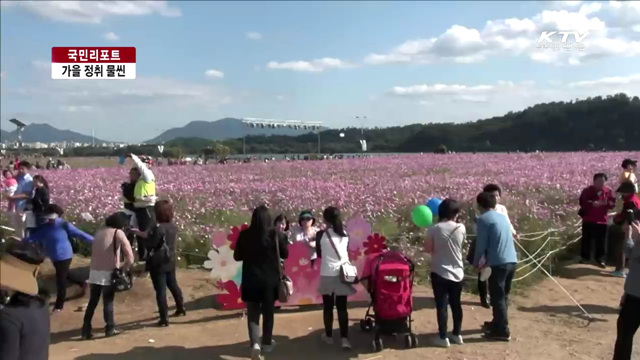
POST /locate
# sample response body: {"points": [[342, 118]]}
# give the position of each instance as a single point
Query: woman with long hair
{"points": [[109, 244], [40, 198], [331, 246], [444, 241], [161, 262], [258, 248]]}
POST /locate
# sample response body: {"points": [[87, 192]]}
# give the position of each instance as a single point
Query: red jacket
{"points": [[633, 203], [597, 214]]}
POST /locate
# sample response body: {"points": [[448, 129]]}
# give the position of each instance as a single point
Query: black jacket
{"points": [[25, 330], [154, 241], [260, 263]]}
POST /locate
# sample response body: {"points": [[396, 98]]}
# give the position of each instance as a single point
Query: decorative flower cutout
{"points": [[222, 264], [354, 254], [375, 243], [219, 239], [234, 234], [359, 229], [232, 300]]}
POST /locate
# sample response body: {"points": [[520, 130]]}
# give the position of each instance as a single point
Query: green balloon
{"points": [[422, 216]]}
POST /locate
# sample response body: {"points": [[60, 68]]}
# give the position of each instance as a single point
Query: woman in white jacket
{"points": [[331, 247]]}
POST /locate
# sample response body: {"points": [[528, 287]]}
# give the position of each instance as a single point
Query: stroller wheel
{"points": [[408, 341], [414, 340], [377, 345]]}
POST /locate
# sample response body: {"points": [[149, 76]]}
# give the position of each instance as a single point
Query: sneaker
{"points": [[456, 339], [326, 339], [443, 343], [602, 265], [268, 348], [620, 274], [256, 352], [112, 332], [346, 345]]}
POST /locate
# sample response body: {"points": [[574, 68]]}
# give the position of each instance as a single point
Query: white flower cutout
{"points": [[222, 264]]}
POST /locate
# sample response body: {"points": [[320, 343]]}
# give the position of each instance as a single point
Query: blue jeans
{"points": [[499, 289]]}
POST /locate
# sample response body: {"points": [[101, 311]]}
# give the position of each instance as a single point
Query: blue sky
{"points": [[395, 62]]}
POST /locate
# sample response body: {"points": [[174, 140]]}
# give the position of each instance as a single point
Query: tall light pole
{"points": [[21, 127]]}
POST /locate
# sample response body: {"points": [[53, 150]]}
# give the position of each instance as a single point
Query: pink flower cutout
{"points": [[234, 234], [375, 243], [354, 254], [359, 229], [232, 300], [219, 239]]}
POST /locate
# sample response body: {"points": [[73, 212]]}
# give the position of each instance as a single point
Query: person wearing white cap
{"points": [[24, 316]]}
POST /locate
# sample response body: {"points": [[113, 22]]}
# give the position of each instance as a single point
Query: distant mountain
{"points": [[223, 129], [46, 133]]}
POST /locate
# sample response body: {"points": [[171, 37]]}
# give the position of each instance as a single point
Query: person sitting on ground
{"points": [[444, 241], [629, 172], [495, 243], [595, 202], [109, 244], [54, 236], [332, 247], [629, 318], [24, 316], [161, 241], [258, 248]]}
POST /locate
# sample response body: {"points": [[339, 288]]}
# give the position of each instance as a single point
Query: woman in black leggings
{"points": [[331, 246]]}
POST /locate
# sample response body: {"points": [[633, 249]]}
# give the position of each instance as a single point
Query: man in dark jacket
{"points": [[595, 202]]}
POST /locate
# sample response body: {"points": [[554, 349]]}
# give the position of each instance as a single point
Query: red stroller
{"points": [[389, 280]]}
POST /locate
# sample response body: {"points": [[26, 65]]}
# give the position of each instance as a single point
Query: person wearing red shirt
{"points": [[630, 201], [595, 202]]}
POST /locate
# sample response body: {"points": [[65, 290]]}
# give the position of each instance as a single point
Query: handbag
{"points": [[120, 279], [160, 255], [348, 272], [285, 285]]}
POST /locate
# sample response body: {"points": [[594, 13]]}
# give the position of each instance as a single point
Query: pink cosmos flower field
{"points": [[543, 186]]}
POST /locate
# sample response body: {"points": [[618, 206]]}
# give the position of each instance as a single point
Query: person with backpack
{"points": [[55, 236], [107, 249], [332, 247], [260, 248], [161, 242]]}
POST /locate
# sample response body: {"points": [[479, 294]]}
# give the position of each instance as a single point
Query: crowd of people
{"points": [[147, 222]]}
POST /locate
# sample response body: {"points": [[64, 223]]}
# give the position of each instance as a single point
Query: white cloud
{"points": [[41, 64], [427, 94], [253, 35], [76, 108], [317, 65], [518, 37], [211, 73], [93, 12], [607, 81], [111, 36]]}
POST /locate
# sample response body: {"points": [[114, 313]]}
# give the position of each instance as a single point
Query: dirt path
{"points": [[544, 322]]}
